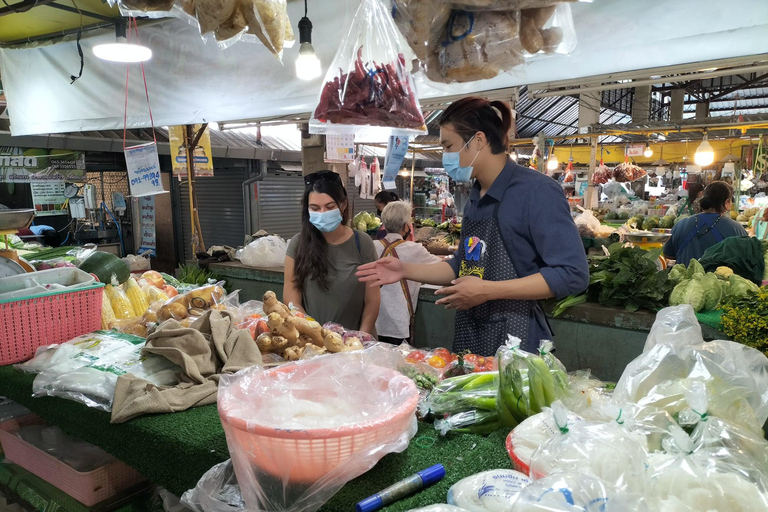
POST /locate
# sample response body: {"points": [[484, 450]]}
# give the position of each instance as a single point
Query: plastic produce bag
{"points": [[474, 45], [267, 252], [463, 393], [440, 507], [530, 434], [299, 432], [489, 491], [676, 358], [574, 492], [216, 491], [711, 478], [587, 223], [86, 368], [368, 87], [10, 409], [548, 29], [604, 450]]}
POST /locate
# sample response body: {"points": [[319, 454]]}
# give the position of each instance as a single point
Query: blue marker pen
{"points": [[401, 489]]}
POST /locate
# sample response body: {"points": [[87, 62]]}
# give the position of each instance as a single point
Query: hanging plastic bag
{"points": [[266, 252], [587, 223], [299, 432], [548, 29], [676, 358], [474, 45], [368, 87]]}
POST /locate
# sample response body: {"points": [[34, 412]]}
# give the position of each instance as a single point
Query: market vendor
{"points": [[399, 300], [381, 200], [518, 241], [692, 236], [321, 260], [692, 205], [759, 226]]}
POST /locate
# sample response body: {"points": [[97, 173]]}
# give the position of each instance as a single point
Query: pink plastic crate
{"points": [[88, 488], [46, 319]]}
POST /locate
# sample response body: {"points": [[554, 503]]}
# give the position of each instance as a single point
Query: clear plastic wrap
{"points": [[528, 382], [463, 393], [439, 507], [474, 45], [708, 477], [469, 422], [489, 491], [548, 29], [604, 450], [676, 358], [267, 252], [587, 223], [533, 432], [368, 88], [216, 491], [78, 455], [86, 368], [299, 432], [566, 492], [194, 303]]}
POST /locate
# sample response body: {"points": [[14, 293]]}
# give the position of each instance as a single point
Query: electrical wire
{"points": [[79, 48], [117, 224]]}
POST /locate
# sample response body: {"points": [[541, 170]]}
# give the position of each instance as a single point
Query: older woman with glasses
{"points": [[322, 259]]}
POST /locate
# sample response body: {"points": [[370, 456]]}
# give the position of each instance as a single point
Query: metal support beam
{"points": [[88, 14], [702, 110], [22, 6], [676, 107], [641, 105]]}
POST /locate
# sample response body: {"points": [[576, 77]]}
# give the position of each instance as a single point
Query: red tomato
{"points": [[261, 327], [416, 356], [437, 362], [256, 316], [454, 358], [473, 359], [443, 353]]}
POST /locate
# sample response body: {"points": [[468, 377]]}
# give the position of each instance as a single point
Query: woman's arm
{"points": [[291, 294], [370, 309]]}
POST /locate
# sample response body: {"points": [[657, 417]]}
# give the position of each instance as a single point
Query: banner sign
{"points": [[19, 165], [396, 150], [147, 213], [143, 167], [634, 150], [48, 198], [203, 156]]}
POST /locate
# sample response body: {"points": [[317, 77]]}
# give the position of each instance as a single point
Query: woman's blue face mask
{"points": [[452, 165], [326, 221]]}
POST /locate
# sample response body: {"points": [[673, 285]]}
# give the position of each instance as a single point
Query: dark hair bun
{"points": [[473, 114]]}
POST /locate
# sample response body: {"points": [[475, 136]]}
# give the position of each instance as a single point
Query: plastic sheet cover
{"points": [[299, 432]]}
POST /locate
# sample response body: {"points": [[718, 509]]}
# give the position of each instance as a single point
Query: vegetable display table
{"points": [[174, 450]]}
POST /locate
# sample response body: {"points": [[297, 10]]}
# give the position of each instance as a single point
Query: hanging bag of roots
{"points": [[368, 88]]}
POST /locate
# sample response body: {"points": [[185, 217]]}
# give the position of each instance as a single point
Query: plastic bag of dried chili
{"points": [[368, 88]]}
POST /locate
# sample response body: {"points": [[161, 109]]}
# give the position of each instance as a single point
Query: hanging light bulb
{"points": [[552, 163], [648, 153], [705, 155], [122, 51], [307, 64]]}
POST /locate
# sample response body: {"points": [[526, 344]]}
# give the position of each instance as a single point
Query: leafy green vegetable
{"points": [[677, 273], [192, 274], [694, 268], [740, 287]]}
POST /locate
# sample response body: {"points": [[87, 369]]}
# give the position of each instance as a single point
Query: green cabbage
{"points": [[740, 287], [677, 273], [691, 291], [694, 269]]}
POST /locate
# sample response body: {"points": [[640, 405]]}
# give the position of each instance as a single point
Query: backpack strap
{"points": [[390, 249]]}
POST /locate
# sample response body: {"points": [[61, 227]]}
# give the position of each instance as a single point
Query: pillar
{"points": [[677, 104], [702, 110], [312, 152], [641, 106]]}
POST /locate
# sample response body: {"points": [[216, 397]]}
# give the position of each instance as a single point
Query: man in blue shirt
{"points": [[519, 243]]}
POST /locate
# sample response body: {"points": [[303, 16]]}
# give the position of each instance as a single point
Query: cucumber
{"points": [[104, 265]]}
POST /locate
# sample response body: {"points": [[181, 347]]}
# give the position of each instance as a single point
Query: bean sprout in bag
{"points": [[299, 432]]}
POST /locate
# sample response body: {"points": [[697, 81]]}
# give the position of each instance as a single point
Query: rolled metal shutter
{"points": [[279, 204], [219, 207]]}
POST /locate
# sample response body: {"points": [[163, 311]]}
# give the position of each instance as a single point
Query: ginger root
{"points": [[303, 341], [272, 305], [333, 342], [283, 327], [352, 343], [293, 353], [269, 343], [311, 351], [309, 329]]}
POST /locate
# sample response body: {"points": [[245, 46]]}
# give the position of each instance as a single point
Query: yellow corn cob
{"points": [[107, 314], [136, 297], [155, 294], [121, 307]]}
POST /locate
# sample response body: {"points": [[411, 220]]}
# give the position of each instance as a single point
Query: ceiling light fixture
{"points": [[122, 50], [307, 64], [648, 153], [552, 163], [705, 155]]}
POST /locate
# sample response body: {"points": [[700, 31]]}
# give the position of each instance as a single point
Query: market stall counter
{"points": [[175, 450], [588, 336]]}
